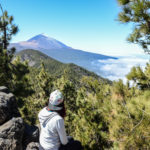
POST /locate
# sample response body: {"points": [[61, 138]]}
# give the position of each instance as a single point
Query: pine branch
{"points": [[138, 122]]}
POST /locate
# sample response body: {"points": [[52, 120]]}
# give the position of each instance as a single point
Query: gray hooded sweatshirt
{"points": [[52, 130]]}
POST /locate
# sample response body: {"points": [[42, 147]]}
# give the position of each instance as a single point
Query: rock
{"points": [[4, 89], [11, 134], [31, 134], [33, 146], [14, 133], [8, 107]]}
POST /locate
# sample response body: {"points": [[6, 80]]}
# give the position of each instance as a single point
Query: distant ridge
{"points": [[55, 67], [61, 52]]}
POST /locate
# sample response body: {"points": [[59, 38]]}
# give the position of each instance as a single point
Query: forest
{"points": [[102, 115]]}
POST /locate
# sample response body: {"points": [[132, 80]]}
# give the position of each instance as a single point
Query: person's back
{"points": [[52, 130], [53, 134]]}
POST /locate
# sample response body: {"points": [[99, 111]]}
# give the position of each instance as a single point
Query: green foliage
{"points": [[42, 86], [119, 88], [90, 126], [44, 81], [101, 116], [20, 79], [5, 68], [85, 119], [129, 122], [129, 111], [137, 12], [140, 78], [70, 94], [7, 29], [56, 68], [35, 58], [13, 74]]}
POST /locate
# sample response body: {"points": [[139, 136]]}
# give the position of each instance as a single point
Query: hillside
{"points": [[53, 66]]}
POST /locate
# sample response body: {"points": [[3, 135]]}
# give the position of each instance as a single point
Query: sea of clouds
{"points": [[115, 69]]}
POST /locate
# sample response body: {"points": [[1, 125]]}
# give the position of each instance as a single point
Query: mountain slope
{"points": [[55, 67], [61, 52], [40, 42], [45, 42]]}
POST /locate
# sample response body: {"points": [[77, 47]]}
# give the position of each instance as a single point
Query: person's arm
{"points": [[61, 131]]}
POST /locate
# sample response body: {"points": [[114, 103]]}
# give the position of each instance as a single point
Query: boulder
{"points": [[33, 146], [31, 134], [14, 133], [4, 89], [8, 107], [11, 134]]}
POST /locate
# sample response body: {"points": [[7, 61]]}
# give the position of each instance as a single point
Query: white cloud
{"points": [[115, 69]]}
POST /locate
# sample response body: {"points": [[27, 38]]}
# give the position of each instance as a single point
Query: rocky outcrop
{"points": [[14, 133], [31, 136], [33, 146], [8, 107], [11, 134], [4, 89]]}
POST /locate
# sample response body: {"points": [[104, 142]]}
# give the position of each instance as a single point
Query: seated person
{"points": [[53, 134]]}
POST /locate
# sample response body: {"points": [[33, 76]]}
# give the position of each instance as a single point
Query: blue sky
{"points": [[89, 25]]}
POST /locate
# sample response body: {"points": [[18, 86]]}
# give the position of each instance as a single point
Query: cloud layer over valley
{"points": [[115, 69]]}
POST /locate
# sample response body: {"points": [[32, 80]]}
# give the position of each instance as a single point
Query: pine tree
{"points": [[42, 86], [45, 85], [140, 78], [70, 94], [90, 125], [7, 28], [5, 68], [129, 111], [20, 83], [13, 72], [137, 13]]}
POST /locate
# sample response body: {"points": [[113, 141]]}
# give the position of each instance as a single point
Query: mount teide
{"points": [[39, 42], [60, 51]]}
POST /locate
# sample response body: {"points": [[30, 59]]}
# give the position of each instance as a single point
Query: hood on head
{"points": [[45, 115]]}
